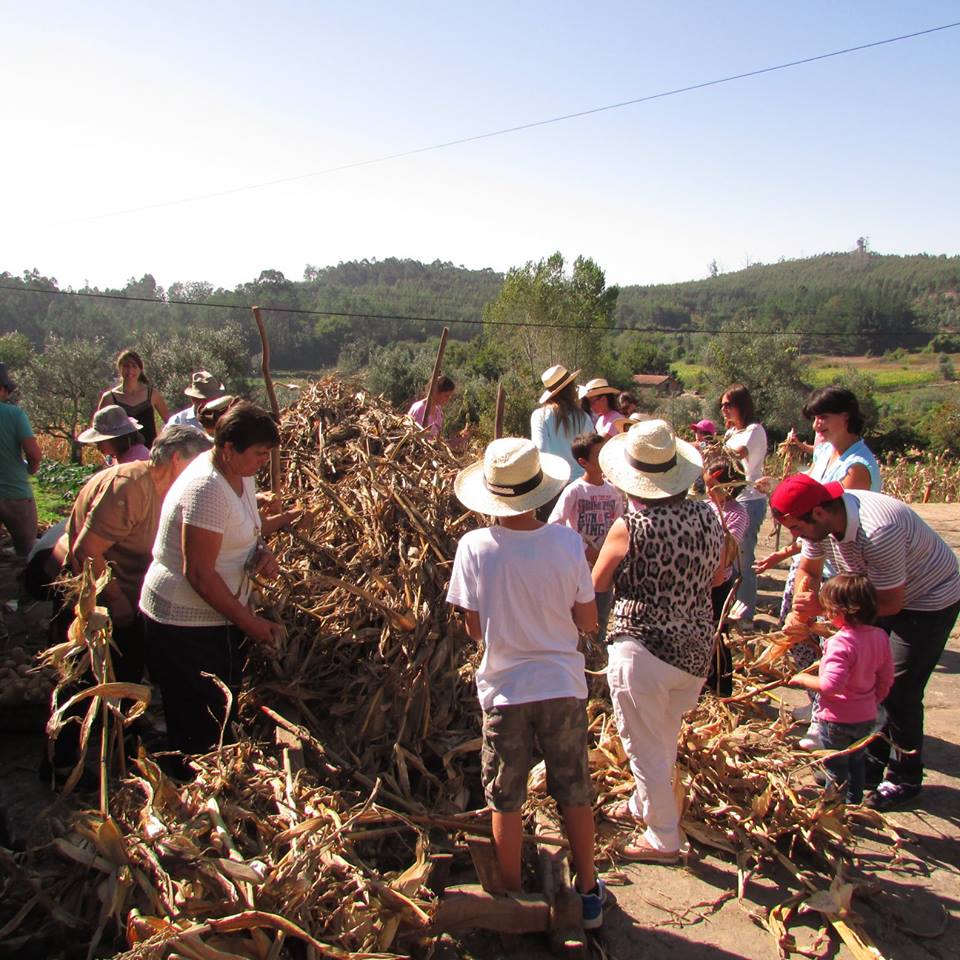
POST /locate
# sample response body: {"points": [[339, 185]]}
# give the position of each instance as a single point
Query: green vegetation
{"points": [[887, 323], [55, 487]]}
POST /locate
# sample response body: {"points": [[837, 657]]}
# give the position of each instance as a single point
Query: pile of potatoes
{"points": [[21, 681]]}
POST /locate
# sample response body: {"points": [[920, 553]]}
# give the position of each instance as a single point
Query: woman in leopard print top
{"points": [[661, 559]]}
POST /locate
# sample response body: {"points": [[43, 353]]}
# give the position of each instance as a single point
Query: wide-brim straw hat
{"points": [[650, 462], [597, 388], [109, 423], [205, 386], [554, 380], [513, 477], [623, 424]]}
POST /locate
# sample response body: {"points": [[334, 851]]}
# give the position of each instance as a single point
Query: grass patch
{"points": [[688, 373], [55, 487], [886, 378]]}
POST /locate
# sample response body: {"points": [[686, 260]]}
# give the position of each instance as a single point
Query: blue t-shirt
{"points": [[857, 452], [14, 429]]}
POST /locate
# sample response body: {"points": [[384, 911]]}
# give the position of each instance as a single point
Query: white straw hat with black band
{"points": [[597, 388], [513, 477], [109, 423], [554, 380], [650, 462]]}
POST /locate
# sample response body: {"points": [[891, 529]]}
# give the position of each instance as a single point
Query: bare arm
{"points": [[91, 546], [614, 549], [585, 616], [32, 453], [806, 597], [276, 521], [200, 551], [857, 478], [471, 620], [161, 406]]}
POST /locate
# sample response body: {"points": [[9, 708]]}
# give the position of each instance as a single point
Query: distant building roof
{"points": [[652, 379]]}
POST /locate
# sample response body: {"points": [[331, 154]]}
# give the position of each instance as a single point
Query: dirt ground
{"points": [[690, 912], [911, 910]]}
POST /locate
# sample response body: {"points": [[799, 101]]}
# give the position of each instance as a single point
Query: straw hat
{"points": [[597, 388], [512, 478], [649, 461], [109, 423], [623, 424], [204, 386], [554, 380]]}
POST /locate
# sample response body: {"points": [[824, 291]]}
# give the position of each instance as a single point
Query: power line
{"points": [[507, 130], [447, 321]]}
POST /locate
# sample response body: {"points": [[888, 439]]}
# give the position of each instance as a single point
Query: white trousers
{"points": [[650, 698]]}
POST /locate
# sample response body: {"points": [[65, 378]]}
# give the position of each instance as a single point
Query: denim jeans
{"points": [[849, 769], [917, 639], [747, 594]]}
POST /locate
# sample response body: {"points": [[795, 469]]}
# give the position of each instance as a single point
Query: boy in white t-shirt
{"points": [[526, 590], [589, 505]]}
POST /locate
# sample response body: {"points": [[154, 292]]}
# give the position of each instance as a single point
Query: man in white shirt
{"points": [[204, 387]]}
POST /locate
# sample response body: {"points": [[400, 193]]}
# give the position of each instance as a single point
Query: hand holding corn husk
{"points": [[807, 604], [796, 626]]}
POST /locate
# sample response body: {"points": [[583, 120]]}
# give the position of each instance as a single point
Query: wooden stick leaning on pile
{"points": [[272, 396], [437, 367]]}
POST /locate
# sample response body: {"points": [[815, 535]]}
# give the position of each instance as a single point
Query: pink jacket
{"points": [[856, 673]]}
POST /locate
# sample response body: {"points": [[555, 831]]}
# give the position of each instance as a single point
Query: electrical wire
{"points": [[302, 311], [507, 130]]}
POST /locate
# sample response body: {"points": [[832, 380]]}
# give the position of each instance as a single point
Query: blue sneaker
{"points": [[593, 906]]}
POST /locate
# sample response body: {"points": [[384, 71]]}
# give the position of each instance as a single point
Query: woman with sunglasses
{"points": [[747, 440]]}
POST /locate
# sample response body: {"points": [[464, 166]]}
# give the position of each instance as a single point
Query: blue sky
{"points": [[113, 107]]}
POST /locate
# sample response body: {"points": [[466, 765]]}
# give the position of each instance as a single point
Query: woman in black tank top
{"points": [[135, 395]]}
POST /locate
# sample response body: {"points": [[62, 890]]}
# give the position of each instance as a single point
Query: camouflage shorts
{"points": [[558, 729]]}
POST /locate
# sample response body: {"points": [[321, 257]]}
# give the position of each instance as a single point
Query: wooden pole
{"points": [[438, 363], [498, 413], [271, 394]]}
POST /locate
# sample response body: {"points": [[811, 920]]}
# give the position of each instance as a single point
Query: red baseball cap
{"points": [[800, 493]]}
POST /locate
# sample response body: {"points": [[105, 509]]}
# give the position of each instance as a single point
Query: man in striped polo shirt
{"points": [[917, 581]]}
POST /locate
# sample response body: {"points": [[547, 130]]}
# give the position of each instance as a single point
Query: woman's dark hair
{"points": [[725, 472], [836, 400], [136, 358], [738, 396], [122, 444], [244, 425], [625, 397], [565, 404], [851, 594], [445, 384]]}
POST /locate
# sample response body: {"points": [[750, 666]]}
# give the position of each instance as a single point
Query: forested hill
{"points": [[298, 341], [880, 297]]}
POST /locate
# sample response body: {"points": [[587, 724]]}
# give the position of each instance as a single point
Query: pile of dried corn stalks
{"points": [[325, 839]]}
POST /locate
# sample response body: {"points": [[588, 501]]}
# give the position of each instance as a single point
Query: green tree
{"points": [[15, 350], [61, 386], [769, 366], [170, 361], [576, 307]]}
